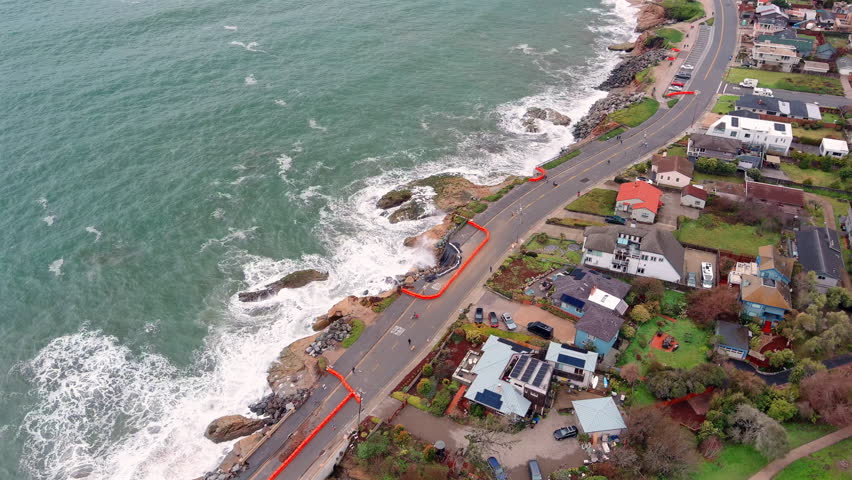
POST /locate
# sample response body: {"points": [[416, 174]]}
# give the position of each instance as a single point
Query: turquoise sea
{"points": [[159, 155]]}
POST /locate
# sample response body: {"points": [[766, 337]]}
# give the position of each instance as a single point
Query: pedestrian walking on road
{"points": [[490, 268], [578, 194], [409, 342], [554, 184], [353, 370]]}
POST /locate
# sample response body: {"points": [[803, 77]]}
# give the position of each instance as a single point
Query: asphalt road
{"points": [[380, 355], [822, 100]]}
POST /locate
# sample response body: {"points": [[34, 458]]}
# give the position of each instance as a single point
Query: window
{"points": [[747, 135], [820, 277], [578, 371], [733, 134], [644, 257], [640, 270], [697, 203]]}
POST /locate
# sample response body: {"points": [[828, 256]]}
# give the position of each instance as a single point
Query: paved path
{"points": [[775, 467], [382, 356]]}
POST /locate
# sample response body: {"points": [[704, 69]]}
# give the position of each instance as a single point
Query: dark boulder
{"points": [[293, 280], [394, 198]]}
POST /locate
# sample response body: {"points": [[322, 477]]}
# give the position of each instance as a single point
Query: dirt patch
{"points": [[516, 274]]}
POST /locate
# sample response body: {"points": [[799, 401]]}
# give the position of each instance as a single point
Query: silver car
{"points": [[510, 323]]}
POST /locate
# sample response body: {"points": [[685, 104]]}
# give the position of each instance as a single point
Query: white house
{"points": [[692, 196], [774, 136], [644, 251], [639, 201], [778, 55], [572, 364], [671, 170], [830, 147]]}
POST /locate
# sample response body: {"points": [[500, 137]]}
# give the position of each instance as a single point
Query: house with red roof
{"points": [[638, 200], [692, 196]]}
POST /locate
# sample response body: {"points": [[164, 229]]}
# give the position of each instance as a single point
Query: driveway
{"points": [[692, 262], [563, 330], [667, 218]]}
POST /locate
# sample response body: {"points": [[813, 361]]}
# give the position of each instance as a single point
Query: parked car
{"points": [[687, 66], [706, 275], [479, 316], [678, 84], [691, 280], [492, 320], [749, 83], [499, 474], [509, 321], [565, 432], [675, 88], [535, 470], [543, 330], [763, 92], [615, 219], [644, 179], [684, 75]]}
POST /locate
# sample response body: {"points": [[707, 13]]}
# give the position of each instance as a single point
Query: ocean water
{"points": [[158, 156]]}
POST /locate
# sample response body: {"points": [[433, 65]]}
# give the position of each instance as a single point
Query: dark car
{"points": [[543, 330], [535, 470], [565, 432], [499, 474], [479, 316], [683, 76], [615, 219], [492, 320]]}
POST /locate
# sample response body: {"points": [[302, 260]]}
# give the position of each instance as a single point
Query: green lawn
{"points": [[672, 102], [788, 81], [683, 10], [597, 202], [676, 150], [829, 117], [743, 239], [561, 254], [635, 114], [573, 222], [642, 396], [710, 21], [821, 465], [559, 161], [672, 296], [725, 104], [692, 340], [818, 134], [699, 177], [818, 177], [670, 34], [739, 462], [612, 133]]}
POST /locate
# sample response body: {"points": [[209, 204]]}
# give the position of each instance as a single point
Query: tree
{"points": [[424, 387], [640, 314], [781, 3], [782, 410], [755, 173], [649, 289], [747, 383], [630, 373], [655, 445], [706, 305], [628, 331], [830, 395], [710, 447], [838, 297], [804, 369], [781, 358], [750, 426]]}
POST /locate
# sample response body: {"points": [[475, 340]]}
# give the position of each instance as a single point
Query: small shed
{"points": [[772, 161], [693, 196], [599, 416], [830, 147], [815, 67]]}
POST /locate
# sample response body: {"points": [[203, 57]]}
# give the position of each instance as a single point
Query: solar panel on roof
{"points": [[530, 369], [573, 301], [519, 366], [490, 399], [540, 377], [573, 361]]}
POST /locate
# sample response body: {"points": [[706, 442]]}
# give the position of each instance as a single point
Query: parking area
{"points": [[671, 209], [563, 330], [692, 263]]}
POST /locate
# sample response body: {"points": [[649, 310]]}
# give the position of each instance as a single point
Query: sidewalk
{"points": [[775, 467]]}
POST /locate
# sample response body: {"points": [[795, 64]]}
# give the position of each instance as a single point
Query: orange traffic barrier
{"points": [[319, 427], [535, 179], [671, 59], [672, 94], [450, 281], [675, 49]]}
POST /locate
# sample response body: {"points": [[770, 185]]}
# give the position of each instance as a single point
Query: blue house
{"points": [[734, 339], [764, 299], [598, 329], [774, 266]]}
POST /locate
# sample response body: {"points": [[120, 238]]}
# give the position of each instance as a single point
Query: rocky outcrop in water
{"points": [[600, 110], [547, 114], [413, 210], [621, 47], [650, 16], [293, 280], [624, 73], [394, 198], [230, 427]]}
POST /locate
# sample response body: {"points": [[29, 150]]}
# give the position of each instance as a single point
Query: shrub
{"points": [[477, 410], [375, 447], [322, 363], [428, 370], [627, 331], [640, 314], [781, 410], [453, 387], [429, 453], [440, 402], [424, 386]]}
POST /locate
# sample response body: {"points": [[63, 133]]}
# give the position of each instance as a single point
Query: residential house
{"points": [[764, 298], [768, 54], [799, 15], [846, 224], [700, 145], [598, 417], [778, 107], [692, 196], [774, 266], [639, 200], [671, 170], [734, 339], [598, 330], [830, 147], [825, 52], [768, 8], [643, 251], [820, 252], [773, 136], [507, 378], [775, 194], [572, 364], [826, 19], [804, 46], [815, 67], [770, 22]]}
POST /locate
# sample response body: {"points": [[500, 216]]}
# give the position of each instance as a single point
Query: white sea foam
{"points": [[234, 235], [95, 231], [49, 219], [56, 267], [218, 214], [280, 103], [316, 126], [250, 80], [244, 178], [232, 28], [251, 46], [284, 164], [297, 146]]}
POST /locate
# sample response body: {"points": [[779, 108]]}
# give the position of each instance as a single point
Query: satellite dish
{"points": [[595, 381]]}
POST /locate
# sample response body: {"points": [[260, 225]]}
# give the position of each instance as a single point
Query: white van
{"points": [[706, 275], [748, 83], [763, 92]]}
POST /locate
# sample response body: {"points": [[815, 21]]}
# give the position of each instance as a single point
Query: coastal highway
{"points": [[382, 355]]}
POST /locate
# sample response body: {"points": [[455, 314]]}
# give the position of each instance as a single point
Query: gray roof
{"points": [[488, 388], [653, 240], [580, 282], [598, 415], [733, 335], [556, 353], [793, 108], [600, 322], [719, 144], [773, 19], [820, 251], [744, 114]]}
